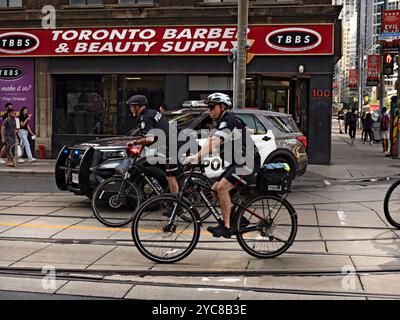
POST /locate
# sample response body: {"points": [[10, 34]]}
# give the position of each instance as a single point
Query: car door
{"points": [[263, 138]]}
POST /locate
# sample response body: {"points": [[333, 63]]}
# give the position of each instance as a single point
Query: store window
{"points": [[84, 2], [201, 86], [10, 3], [136, 2], [95, 105]]}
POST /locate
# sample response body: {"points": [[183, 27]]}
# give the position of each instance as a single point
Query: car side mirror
{"points": [[266, 138]]}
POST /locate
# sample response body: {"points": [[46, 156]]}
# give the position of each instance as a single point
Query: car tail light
{"points": [[133, 149], [303, 140]]}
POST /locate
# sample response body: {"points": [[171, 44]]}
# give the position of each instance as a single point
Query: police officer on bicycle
{"points": [[152, 119], [232, 136]]}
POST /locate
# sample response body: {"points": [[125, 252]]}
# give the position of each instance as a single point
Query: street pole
{"points": [[240, 68], [395, 131], [382, 87], [360, 79]]}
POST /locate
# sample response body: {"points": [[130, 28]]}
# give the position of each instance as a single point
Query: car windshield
{"points": [[284, 124], [183, 120]]}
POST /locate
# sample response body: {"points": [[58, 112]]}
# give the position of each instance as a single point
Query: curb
{"points": [[26, 173]]}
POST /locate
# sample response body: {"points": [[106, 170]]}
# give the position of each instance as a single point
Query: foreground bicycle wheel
{"points": [[268, 226], [160, 239], [115, 202], [193, 195], [391, 205]]}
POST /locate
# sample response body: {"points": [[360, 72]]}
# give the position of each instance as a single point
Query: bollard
{"points": [[42, 151]]}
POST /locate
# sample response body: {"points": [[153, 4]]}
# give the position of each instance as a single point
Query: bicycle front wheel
{"points": [[115, 202], [163, 235], [266, 226], [391, 205]]}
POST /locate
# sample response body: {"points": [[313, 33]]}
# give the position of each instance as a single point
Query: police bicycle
{"points": [[265, 224], [116, 199]]}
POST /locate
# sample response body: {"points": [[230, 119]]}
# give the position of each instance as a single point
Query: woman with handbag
{"points": [[25, 129]]}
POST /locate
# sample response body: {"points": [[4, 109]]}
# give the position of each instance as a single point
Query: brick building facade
{"points": [[103, 82]]}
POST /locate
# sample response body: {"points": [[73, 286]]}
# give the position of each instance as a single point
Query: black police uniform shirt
{"points": [[231, 128], [152, 119]]}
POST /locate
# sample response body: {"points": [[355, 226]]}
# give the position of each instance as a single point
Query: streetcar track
{"points": [[100, 276], [129, 243]]}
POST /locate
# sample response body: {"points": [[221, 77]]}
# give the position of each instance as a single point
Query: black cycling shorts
{"points": [[239, 174]]}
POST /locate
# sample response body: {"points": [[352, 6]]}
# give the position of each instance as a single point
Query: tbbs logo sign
{"points": [[18, 42], [293, 39], [10, 73]]}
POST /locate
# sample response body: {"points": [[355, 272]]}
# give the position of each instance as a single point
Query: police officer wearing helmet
{"points": [[229, 129], [148, 120]]}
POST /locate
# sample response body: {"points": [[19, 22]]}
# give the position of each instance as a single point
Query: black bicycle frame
{"points": [[210, 206]]}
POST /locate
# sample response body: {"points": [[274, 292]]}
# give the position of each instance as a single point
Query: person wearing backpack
{"points": [[384, 128]]}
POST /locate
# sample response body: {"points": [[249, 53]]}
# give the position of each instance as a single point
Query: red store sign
{"points": [[373, 70], [193, 40], [353, 78], [391, 21]]}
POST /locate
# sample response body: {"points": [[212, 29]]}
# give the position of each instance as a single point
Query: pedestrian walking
{"points": [[362, 119], [384, 129], [25, 129], [341, 120], [4, 116], [346, 120], [8, 134], [368, 128], [352, 123]]}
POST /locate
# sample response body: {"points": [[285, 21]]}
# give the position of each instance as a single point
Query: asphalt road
{"points": [[27, 183]]}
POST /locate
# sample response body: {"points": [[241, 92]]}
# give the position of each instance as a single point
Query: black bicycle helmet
{"points": [[137, 99]]}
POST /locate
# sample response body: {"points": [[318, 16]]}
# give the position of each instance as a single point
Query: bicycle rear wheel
{"points": [[266, 227], [115, 202], [391, 205], [165, 239]]}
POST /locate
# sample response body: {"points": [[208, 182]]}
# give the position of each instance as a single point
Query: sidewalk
{"points": [[355, 162], [39, 167]]}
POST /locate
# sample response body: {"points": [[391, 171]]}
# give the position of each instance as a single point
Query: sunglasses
{"points": [[212, 106]]}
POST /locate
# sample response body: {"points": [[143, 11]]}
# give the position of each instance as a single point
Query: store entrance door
{"points": [[299, 103]]}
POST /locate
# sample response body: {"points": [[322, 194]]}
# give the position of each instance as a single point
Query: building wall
{"points": [[172, 12]]}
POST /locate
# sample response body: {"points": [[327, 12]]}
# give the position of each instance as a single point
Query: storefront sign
{"points": [[391, 21], [17, 85], [353, 78], [373, 70], [390, 25], [200, 40]]}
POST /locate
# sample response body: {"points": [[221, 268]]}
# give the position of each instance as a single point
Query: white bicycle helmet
{"points": [[218, 97]]}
